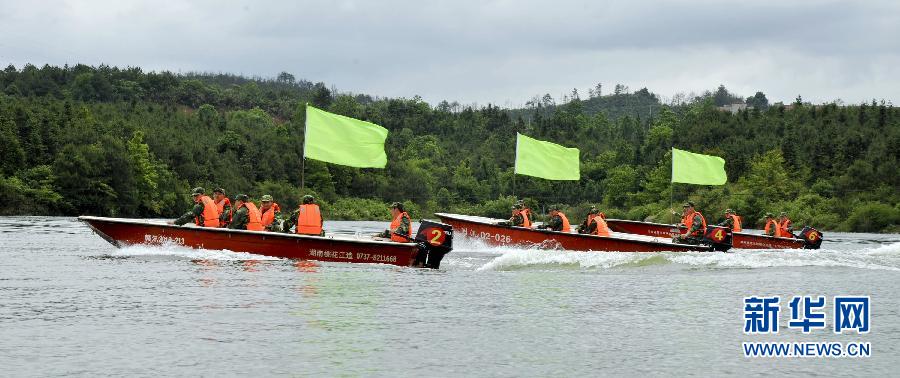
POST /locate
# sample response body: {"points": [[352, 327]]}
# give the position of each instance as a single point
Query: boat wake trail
{"points": [[177, 252], [884, 257]]}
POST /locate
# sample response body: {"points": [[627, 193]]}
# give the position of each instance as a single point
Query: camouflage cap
{"points": [[593, 210], [242, 197], [519, 205], [266, 198], [554, 207], [219, 190], [783, 214], [769, 215], [397, 205], [688, 204], [729, 211], [308, 199], [198, 191]]}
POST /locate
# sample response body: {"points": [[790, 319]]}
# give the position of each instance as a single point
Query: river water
{"points": [[71, 304]]}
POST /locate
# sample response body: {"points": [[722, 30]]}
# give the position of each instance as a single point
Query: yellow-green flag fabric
{"points": [[546, 160], [691, 168], [343, 140]]}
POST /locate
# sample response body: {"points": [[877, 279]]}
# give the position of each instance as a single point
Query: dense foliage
{"points": [[109, 141]]}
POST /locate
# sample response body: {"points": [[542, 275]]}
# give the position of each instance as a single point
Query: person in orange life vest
{"points": [[401, 225], [307, 217], [785, 228], [732, 221], [203, 214], [771, 225], [558, 221], [526, 213], [223, 206], [247, 215], [583, 227], [598, 225], [270, 212], [520, 217], [695, 224]]}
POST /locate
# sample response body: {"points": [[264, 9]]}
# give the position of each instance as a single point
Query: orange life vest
{"points": [[602, 228], [220, 208], [782, 229], [268, 216], [525, 222], [769, 224], [735, 223], [253, 222], [309, 220], [565, 227], [396, 223], [210, 215], [688, 221]]}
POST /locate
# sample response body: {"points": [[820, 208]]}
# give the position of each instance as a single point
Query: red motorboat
{"points": [[491, 231], [810, 238], [431, 243]]}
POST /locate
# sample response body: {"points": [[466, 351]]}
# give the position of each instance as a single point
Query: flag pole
{"points": [[303, 153], [672, 189]]}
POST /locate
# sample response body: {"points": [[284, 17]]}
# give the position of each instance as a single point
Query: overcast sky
{"points": [[502, 52]]}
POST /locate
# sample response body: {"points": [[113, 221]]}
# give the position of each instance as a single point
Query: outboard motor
{"points": [[435, 240], [719, 237], [812, 238]]}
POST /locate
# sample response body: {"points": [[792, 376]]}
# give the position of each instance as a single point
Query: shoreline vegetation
{"points": [[108, 141]]}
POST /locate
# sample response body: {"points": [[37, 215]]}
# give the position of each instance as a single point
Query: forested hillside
{"points": [[123, 142]]}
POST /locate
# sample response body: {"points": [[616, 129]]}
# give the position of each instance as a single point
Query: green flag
{"points": [[343, 140], [545, 160], [691, 168]]}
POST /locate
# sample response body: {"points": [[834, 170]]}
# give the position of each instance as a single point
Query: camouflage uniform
{"points": [[770, 217], [585, 227], [555, 223], [196, 212], [240, 219], [695, 226], [728, 222], [517, 219], [402, 229]]}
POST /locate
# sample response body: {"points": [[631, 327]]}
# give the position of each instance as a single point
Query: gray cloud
{"points": [[484, 51]]}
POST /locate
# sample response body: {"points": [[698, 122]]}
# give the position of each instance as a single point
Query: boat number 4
{"points": [[719, 235]]}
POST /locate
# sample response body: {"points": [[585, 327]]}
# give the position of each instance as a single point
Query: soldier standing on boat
{"points": [[695, 224], [204, 213]]}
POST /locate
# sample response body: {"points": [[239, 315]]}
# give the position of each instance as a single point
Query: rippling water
{"points": [[70, 303]]}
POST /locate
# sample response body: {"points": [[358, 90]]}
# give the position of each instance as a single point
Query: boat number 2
{"points": [[436, 236]]}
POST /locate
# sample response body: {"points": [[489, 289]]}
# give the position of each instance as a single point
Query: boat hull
{"points": [[738, 239], [494, 234], [124, 232]]}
